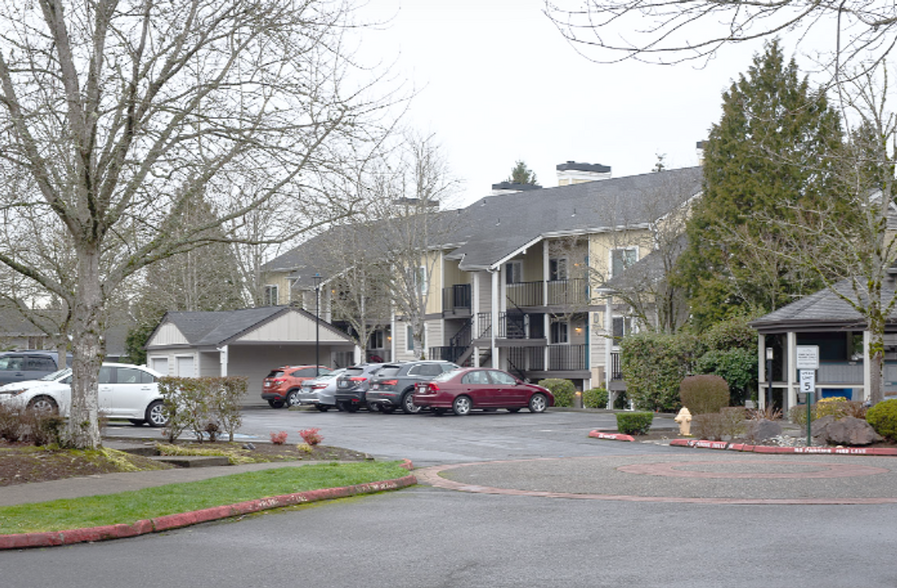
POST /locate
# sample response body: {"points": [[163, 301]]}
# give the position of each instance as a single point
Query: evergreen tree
{"points": [[521, 174], [772, 154]]}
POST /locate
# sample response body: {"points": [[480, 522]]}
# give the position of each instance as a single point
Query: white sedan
{"points": [[125, 392]]}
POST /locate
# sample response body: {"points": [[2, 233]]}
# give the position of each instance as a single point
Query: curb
{"points": [[744, 447], [611, 436], [175, 521]]}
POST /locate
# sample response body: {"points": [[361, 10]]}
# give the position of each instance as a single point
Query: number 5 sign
{"points": [[807, 381]]}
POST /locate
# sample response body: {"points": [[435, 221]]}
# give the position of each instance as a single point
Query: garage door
{"points": [[160, 364], [184, 367]]}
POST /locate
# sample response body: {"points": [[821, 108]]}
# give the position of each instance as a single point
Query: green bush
{"points": [[728, 422], [653, 366], [738, 367], [704, 394], [563, 390], [595, 398], [883, 418], [206, 406], [634, 423]]}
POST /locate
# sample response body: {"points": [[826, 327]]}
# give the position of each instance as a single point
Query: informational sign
{"points": [[807, 357], [807, 381]]}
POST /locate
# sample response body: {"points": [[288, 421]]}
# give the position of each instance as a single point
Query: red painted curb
{"points": [[611, 436], [768, 449], [174, 521]]}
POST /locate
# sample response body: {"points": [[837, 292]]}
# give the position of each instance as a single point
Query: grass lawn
{"points": [[129, 507]]}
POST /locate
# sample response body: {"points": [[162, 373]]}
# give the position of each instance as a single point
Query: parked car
{"points": [[321, 391], [394, 383], [125, 392], [20, 366], [480, 388], [352, 386], [281, 387]]}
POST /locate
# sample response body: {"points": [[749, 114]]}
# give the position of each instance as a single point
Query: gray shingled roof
{"points": [[215, 328], [495, 227], [821, 311]]}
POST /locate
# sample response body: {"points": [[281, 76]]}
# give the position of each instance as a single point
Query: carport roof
{"points": [[222, 327]]}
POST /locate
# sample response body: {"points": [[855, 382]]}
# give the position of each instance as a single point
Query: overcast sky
{"points": [[497, 82]]}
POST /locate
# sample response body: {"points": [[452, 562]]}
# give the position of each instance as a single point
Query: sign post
{"points": [[807, 364]]}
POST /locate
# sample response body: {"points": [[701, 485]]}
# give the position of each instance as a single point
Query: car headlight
{"points": [[12, 392]]}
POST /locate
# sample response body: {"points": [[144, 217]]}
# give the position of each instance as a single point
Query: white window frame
{"points": [[610, 260], [269, 289], [514, 272], [557, 264]]}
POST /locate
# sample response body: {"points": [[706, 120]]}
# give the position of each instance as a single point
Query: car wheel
{"points": [[408, 406], [387, 409], [350, 407], [323, 407], [44, 404], [292, 398], [137, 422], [373, 407], [513, 410], [538, 403], [461, 406], [341, 406], [275, 403], [155, 414]]}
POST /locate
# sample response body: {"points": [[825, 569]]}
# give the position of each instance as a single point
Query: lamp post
{"points": [[317, 279], [768, 378]]}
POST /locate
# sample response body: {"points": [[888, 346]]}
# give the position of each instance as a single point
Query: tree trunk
{"points": [[87, 348]]}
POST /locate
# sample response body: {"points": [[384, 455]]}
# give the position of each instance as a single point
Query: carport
{"points": [[248, 342]]}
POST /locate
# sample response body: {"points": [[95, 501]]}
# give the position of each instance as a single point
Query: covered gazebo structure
{"points": [[824, 319]]}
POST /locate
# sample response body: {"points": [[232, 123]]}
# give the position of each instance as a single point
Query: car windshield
{"points": [[57, 375]]}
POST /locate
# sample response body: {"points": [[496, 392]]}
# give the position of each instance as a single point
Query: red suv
{"points": [[282, 386]]}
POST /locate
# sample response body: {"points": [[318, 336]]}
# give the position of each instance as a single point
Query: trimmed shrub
{"points": [[595, 398], [654, 364], [883, 418], [704, 394], [728, 422], [634, 423], [838, 407], [205, 406], [563, 390]]}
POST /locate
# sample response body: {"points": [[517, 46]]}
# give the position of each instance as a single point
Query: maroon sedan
{"points": [[466, 389]]}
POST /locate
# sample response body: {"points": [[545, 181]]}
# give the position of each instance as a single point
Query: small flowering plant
{"points": [[311, 436], [279, 438]]}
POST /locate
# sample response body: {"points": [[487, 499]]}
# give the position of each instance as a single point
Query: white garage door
{"points": [[160, 364], [184, 367]]}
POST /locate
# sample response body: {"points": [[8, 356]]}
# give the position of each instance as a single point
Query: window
{"points": [[560, 332], [622, 327], [477, 377], [270, 298], [502, 378], [375, 341], [513, 272], [622, 259], [418, 279], [557, 269]]}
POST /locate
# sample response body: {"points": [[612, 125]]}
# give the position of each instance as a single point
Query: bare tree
{"points": [[120, 113]]}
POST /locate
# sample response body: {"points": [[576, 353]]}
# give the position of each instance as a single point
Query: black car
{"points": [[353, 384], [394, 383]]}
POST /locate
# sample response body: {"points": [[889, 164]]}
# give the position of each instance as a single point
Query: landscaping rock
{"points": [[819, 429], [762, 430], [851, 431]]}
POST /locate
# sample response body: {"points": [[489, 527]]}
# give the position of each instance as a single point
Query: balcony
{"points": [[574, 292], [456, 300], [561, 358]]}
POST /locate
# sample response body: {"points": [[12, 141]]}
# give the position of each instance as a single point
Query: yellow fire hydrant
{"points": [[684, 420]]}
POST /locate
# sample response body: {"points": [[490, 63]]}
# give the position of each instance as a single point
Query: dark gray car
{"points": [[394, 383], [353, 384], [19, 366]]}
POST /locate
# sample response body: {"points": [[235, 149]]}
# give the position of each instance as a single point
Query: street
{"points": [[432, 537]]}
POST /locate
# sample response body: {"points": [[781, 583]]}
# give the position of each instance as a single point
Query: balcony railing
{"points": [[511, 325], [456, 300], [560, 293], [568, 357], [616, 370]]}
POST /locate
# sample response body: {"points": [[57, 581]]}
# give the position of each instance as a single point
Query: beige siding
{"points": [[168, 334], [434, 286], [289, 327], [485, 292]]}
